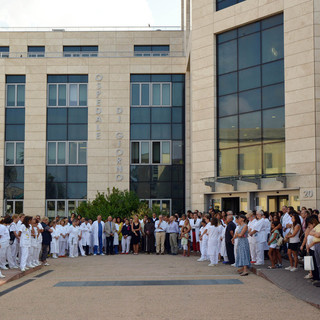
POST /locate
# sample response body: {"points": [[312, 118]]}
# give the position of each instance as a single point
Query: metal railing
{"points": [[109, 54]]}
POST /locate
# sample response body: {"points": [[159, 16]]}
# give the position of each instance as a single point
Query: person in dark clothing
{"points": [[228, 238], [46, 240], [149, 232]]}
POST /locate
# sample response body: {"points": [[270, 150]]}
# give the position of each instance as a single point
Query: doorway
{"points": [[231, 204], [275, 203]]}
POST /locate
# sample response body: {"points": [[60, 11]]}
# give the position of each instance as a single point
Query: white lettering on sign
{"points": [[98, 78], [119, 150]]}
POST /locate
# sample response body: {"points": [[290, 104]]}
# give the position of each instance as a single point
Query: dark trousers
{"points": [[143, 243], [230, 252], [315, 272], [109, 245], [44, 252], [150, 243], [167, 243], [86, 249]]}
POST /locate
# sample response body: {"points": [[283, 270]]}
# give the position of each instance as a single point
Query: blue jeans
{"points": [[95, 248], [115, 249]]}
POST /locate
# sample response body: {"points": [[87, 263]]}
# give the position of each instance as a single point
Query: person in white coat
{"points": [[252, 240], [85, 236], [54, 247], [25, 242], [33, 259], [5, 250], [204, 239], [259, 234], [39, 241], [97, 231], [74, 237], [14, 245], [62, 239], [214, 237], [195, 227]]}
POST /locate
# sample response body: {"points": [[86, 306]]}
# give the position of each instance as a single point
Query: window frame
{"points": [[14, 205], [151, 94], [15, 95], [67, 145], [151, 152], [36, 54], [79, 53], [66, 210], [150, 202], [67, 84], [14, 154]]}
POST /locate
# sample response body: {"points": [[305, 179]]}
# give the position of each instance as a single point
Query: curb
{"points": [[19, 275], [262, 275]]}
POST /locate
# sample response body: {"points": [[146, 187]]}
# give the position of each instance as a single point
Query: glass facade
{"points": [[222, 4], [14, 144], [157, 140], [251, 117], [67, 135]]}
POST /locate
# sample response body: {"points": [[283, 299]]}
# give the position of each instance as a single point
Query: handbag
{"points": [[308, 263], [279, 241]]}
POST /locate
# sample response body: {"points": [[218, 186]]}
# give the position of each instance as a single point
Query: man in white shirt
{"points": [[251, 239], [160, 231], [258, 233], [195, 229]]}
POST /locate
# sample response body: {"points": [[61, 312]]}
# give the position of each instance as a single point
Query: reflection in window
{"points": [[251, 98]]}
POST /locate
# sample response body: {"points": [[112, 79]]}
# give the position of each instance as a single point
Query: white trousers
{"points": [[125, 243], [30, 256], [6, 256], [73, 249], [204, 248], [36, 253], [24, 257], [214, 256], [253, 249], [14, 250], [81, 248], [260, 252], [62, 247]]}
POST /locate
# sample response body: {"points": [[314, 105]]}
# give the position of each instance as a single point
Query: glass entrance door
{"points": [[275, 203]]}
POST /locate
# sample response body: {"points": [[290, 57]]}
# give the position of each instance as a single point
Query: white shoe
{"points": [[288, 268], [4, 268], [23, 270], [55, 257], [2, 276], [26, 268], [94, 254], [233, 265], [102, 254], [15, 267], [211, 265], [46, 264], [308, 276], [29, 265], [84, 255], [294, 269], [199, 260], [71, 256]]}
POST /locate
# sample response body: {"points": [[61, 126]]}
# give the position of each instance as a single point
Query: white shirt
{"points": [[160, 227], [25, 238], [4, 233]]}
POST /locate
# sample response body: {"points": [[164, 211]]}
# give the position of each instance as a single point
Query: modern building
{"points": [[221, 112]]}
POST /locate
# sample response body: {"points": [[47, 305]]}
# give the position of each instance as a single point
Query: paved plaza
{"points": [[145, 287]]}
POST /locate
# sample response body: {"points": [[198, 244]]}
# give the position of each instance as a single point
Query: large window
{"points": [[251, 123], [4, 52], [68, 95], [14, 153], [36, 51], [13, 207], [151, 51], [67, 153], [15, 92], [157, 140], [222, 4], [80, 51], [62, 207]]}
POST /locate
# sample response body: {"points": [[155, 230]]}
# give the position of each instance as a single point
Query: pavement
{"points": [[292, 282], [147, 287]]}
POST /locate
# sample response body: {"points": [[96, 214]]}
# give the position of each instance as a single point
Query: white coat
{"points": [[116, 236], [95, 232], [25, 238], [214, 235], [196, 226], [55, 242], [85, 238]]}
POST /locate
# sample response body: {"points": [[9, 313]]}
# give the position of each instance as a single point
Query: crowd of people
{"points": [[240, 240]]}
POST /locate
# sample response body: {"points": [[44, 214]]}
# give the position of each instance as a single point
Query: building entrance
{"points": [[275, 203], [232, 204]]}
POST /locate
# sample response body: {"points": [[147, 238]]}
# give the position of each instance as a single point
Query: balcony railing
{"points": [[109, 54]]}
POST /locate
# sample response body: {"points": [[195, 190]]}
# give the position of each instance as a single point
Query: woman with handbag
{"points": [[294, 239]]}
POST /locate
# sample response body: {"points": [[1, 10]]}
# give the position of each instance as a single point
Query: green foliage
{"points": [[116, 204]]}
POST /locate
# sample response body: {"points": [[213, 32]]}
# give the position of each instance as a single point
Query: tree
{"points": [[115, 203]]}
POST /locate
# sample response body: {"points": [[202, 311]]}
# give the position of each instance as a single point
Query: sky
{"points": [[93, 13]]}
